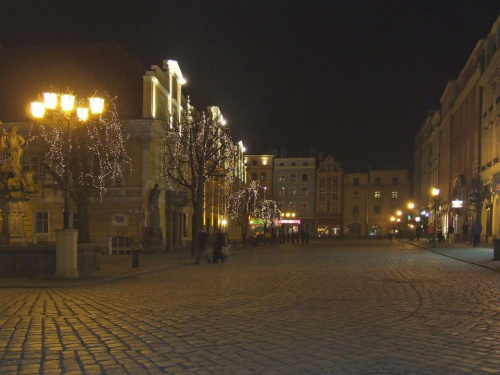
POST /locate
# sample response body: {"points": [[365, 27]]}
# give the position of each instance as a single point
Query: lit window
{"points": [[376, 194], [321, 194], [263, 176], [304, 190], [281, 178], [394, 195], [281, 191], [293, 191], [303, 206]]}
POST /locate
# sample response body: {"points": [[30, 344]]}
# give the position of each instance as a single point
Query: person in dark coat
{"points": [[202, 246], [218, 244], [465, 232], [477, 228]]}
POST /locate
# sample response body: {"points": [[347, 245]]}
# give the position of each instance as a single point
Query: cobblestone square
{"points": [[330, 307]]}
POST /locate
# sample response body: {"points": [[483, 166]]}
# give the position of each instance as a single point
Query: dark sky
{"points": [[352, 78]]}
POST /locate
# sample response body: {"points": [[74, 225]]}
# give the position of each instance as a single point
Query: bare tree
{"points": [[196, 150], [97, 156]]}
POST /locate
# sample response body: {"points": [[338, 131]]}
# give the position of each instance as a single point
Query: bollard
{"points": [[496, 249], [135, 258]]}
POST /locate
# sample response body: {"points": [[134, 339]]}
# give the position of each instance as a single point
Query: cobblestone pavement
{"points": [[337, 307]]}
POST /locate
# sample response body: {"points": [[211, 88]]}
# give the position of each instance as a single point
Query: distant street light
{"points": [[435, 193]]}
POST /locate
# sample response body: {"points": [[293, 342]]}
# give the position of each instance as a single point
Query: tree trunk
{"points": [[197, 216], [82, 205]]}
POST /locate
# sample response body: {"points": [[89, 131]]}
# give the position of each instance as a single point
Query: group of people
{"points": [[218, 247], [294, 238], [477, 228]]}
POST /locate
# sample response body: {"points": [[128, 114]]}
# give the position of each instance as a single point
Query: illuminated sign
{"points": [[288, 221], [457, 204]]}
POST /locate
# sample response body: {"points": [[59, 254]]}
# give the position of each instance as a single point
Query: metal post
{"points": [[435, 220], [66, 211]]}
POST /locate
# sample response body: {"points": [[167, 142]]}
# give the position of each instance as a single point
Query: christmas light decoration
{"points": [[92, 152]]}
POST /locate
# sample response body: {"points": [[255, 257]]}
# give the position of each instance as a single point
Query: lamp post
{"points": [[67, 105], [66, 238], [435, 193]]}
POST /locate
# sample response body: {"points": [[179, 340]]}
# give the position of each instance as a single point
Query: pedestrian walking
{"points": [[430, 233], [302, 237], [418, 232], [477, 228], [465, 232], [202, 246], [218, 244], [451, 233]]}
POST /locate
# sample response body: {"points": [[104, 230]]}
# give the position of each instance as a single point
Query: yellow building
{"points": [[145, 101]]}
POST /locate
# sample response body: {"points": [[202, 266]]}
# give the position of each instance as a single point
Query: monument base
{"points": [[152, 239], [66, 254]]}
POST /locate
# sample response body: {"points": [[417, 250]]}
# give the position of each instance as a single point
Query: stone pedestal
{"points": [[152, 239], [13, 212], [66, 254]]}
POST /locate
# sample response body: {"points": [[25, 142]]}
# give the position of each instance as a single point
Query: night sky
{"points": [[354, 79]]}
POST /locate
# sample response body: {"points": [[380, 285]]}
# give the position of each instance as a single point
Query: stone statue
{"points": [[12, 179], [154, 209]]}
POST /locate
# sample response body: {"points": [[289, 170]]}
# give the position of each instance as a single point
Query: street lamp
{"points": [[435, 193], [67, 105]]}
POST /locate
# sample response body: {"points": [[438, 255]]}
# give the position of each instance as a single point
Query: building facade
{"points": [[293, 190], [146, 101], [489, 195], [329, 198]]}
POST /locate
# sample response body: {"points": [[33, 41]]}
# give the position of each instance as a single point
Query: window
{"points": [[335, 207], [294, 164], [321, 207], [254, 162], [41, 222], [282, 164], [254, 176], [293, 177], [281, 206], [394, 195], [305, 177], [263, 176], [30, 164], [304, 191], [303, 206], [376, 210], [335, 181], [322, 181], [356, 181], [377, 181], [355, 194], [305, 163], [292, 206], [335, 194], [281, 191], [355, 210], [281, 177], [394, 180], [321, 194], [293, 191], [376, 194]]}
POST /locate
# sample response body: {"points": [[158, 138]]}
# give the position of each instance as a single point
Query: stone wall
{"points": [[40, 260]]}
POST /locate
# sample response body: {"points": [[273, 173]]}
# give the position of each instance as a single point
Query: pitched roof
{"points": [[86, 70]]}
